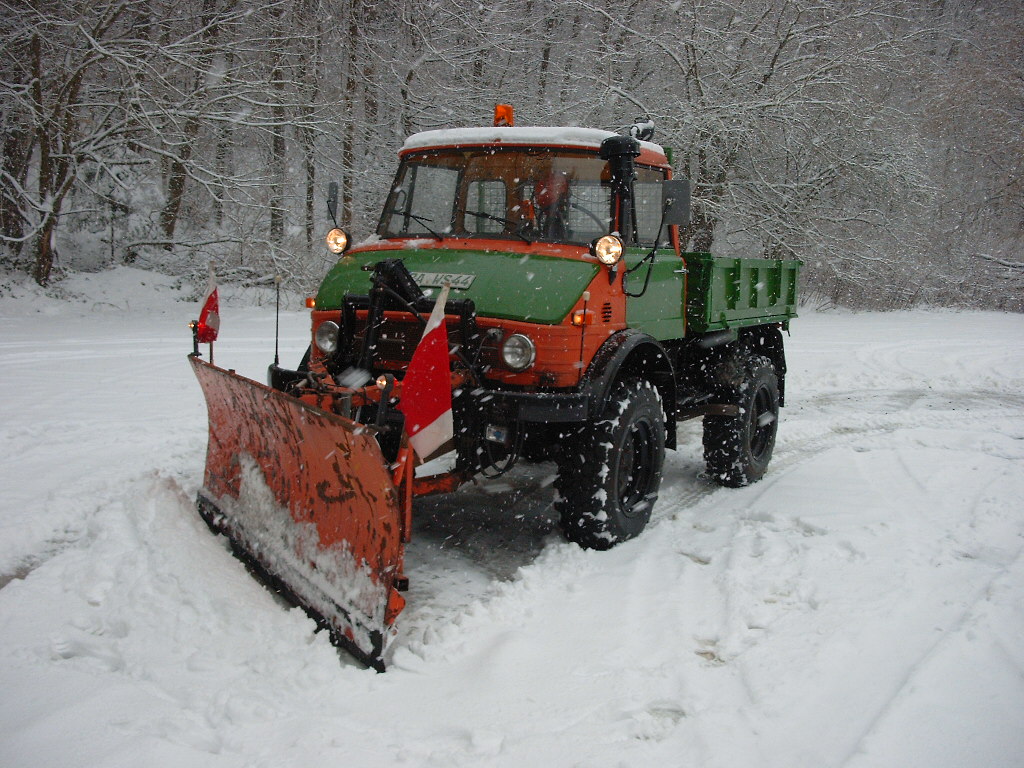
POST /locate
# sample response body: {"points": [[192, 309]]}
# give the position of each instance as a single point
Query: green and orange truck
{"points": [[579, 333]]}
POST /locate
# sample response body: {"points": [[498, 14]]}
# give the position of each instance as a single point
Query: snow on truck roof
{"points": [[590, 138]]}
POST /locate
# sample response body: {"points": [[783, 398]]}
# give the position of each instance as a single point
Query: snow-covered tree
{"points": [[877, 141]]}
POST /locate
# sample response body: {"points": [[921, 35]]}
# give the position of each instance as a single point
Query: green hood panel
{"points": [[513, 286]]}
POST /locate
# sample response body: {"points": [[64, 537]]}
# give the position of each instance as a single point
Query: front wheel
{"points": [[608, 482], [737, 449]]}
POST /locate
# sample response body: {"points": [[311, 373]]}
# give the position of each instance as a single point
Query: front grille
{"points": [[396, 341], [398, 338], [606, 312]]}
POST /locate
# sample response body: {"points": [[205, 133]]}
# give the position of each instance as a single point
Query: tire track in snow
{"points": [[740, 539], [478, 523], [919, 358], [905, 683], [788, 455], [466, 545]]}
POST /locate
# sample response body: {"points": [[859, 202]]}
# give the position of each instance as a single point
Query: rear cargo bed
{"points": [[726, 293]]}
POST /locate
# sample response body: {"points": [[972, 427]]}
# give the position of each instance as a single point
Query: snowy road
{"points": [[862, 606]]}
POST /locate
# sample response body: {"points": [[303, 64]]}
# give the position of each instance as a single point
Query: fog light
{"points": [[327, 337], [518, 352]]}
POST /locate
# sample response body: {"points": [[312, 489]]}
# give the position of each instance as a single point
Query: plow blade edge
{"points": [[305, 497]]}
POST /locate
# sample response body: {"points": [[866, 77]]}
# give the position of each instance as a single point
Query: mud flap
{"points": [[305, 497]]}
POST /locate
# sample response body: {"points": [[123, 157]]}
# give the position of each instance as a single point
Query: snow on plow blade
{"points": [[306, 497]]}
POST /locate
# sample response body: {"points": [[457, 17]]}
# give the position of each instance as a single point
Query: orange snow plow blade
{"points": [[305, 497]]}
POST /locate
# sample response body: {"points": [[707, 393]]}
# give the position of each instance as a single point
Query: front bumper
{"points": [[558, 407], [547, 407]]}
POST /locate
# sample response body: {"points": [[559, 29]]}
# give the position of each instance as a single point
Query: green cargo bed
{"points": [[725, 293]]}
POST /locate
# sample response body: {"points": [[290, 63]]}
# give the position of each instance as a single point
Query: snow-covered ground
{"points": [[862, 606]]}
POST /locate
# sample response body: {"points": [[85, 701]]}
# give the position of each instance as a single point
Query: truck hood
{"points": [[532, 288]]}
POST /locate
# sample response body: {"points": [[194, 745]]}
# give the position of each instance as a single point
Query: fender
{"points": [[632, 353]]}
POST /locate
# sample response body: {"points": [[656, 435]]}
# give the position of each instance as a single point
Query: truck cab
{"points": [[537, 227]]}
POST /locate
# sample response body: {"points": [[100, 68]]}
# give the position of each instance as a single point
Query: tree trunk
{"points": [[43, 256], [178, 170], [44, 253], [278, 161], [348, 141], [12, 225], [309, 79], [176, 177]]}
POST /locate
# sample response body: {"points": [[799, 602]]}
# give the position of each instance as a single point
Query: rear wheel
{"points": [[608, 482], [737, 449]]}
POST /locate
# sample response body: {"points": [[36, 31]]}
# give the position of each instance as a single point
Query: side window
{"points": [[647, 191], [485, 198]]}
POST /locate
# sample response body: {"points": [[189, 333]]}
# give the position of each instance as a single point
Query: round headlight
{"points": [[337, 241], [518, 352], [327, 337], [608, 249]]}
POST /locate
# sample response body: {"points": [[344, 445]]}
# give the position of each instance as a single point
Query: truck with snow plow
{"points": [[576, 331]]}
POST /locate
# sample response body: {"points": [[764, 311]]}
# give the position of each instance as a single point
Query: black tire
{"points": [[608, 481], [737, 449]]}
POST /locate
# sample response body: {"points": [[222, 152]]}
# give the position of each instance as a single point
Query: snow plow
{"points": [[306, 498], [542, 271]]}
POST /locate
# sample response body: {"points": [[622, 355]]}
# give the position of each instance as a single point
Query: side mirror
{"points": [[675, 202], [332, 201]]}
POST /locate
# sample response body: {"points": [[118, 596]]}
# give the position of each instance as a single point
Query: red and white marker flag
{"points": [[209, 315], [427, 389]]}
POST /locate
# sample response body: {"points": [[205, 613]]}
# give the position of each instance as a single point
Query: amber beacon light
{"points": [[504, 115]]}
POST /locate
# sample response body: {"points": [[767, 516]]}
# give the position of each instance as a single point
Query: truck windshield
{"points": [[554, 195]]}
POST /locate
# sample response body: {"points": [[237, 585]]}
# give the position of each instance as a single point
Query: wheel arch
{"points": [[633, 354]]}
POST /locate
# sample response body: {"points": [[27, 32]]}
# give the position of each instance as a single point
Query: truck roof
{"points": [[589, 138]]}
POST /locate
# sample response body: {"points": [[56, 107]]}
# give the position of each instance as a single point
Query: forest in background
{"points": [[879, 142]]}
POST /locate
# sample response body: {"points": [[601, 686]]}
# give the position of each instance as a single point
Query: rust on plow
{"points": [[306, 497]]}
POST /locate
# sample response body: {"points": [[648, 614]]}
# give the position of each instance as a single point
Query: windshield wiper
{"points": [[418, 219], [517, 226]]}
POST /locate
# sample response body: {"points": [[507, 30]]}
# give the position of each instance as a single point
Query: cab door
{"points": [[655, 281]]}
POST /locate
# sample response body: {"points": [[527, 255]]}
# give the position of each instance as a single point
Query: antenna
{"points": [[277, 317]]}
